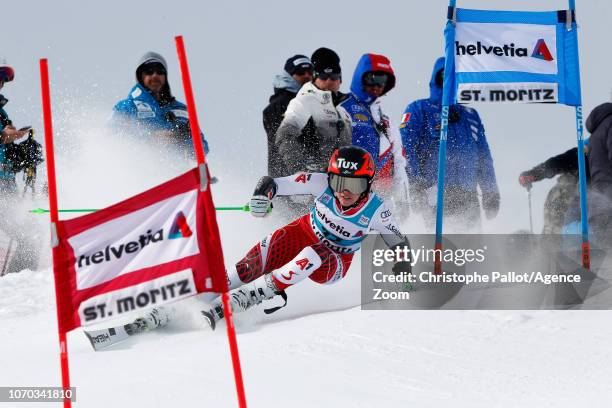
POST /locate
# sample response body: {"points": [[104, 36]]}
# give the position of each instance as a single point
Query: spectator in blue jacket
{"points": [[469, 165], [372, 79], [150, 107]]}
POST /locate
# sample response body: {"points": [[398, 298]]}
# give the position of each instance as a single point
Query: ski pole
{"points": [[83, 210], [530, 211]]}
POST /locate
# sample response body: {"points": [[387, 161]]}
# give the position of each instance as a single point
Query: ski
{"points": [[104, 338]]}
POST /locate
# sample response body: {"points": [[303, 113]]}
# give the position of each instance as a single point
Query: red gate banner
{"points": [[151, 249]]}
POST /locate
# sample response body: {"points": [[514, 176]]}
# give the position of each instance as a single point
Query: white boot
{"points": [[156, 317], [243, 298]]}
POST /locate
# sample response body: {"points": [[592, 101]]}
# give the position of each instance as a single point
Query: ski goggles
{"points": [[324, 76], [353, 185], [375, 79]]}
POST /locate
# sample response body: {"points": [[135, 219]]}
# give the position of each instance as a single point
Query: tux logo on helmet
{"points": [[352, 161], [343, 164]]}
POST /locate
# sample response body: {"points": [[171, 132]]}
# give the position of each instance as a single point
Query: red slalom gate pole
{"points": [[191, 108], [46, 102], [201, 159]]}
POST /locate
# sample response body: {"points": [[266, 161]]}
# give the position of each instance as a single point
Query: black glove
{"points": [[490, 203], [539, 172], [401, 267], [26, 154], [266, 186]]}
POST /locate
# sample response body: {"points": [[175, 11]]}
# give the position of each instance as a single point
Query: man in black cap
{"points": [[151, 108], [298, 71], [312, 128]]}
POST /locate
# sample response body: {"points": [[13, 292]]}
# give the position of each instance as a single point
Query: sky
{"points": [[234, 50]]}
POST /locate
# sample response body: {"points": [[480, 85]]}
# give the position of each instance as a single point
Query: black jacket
{"points": [[4, 119], [272, 118], [599, 124], [564, 163]]}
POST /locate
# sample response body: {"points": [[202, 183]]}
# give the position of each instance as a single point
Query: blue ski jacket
{"points": [[469, 163], [141, 109], [366, 129]]}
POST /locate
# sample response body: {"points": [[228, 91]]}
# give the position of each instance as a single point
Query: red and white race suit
{"points": [[318, 245]]}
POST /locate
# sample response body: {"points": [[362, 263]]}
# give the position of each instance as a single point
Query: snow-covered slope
{"points": [[335, 358]]}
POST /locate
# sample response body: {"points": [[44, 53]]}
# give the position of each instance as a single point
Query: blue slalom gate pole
{"points": [[449, 72], [586, 250], [586, 257], [441, 174]]}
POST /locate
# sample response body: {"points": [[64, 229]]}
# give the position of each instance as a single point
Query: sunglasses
{"points": [[375, 79], [353, 185], [324, 76], [154, 69], [302, 71]]}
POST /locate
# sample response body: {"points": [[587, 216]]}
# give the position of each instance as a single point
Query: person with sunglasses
{"points": [[297, 72], [373, 78], [313, 127], [469, 165], [320, 244], [151, 109]]}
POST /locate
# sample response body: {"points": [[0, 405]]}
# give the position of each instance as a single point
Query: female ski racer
{"points": [[319, 245]]}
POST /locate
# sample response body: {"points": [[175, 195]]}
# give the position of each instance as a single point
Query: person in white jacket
{"points": [[312, 127]]}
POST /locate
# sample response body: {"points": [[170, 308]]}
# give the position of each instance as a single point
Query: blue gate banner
{"points": [[512, 56]]}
